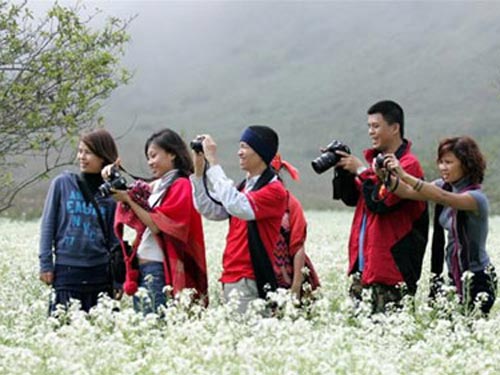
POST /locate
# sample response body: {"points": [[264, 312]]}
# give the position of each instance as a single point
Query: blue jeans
{"points": [[152, 278]]}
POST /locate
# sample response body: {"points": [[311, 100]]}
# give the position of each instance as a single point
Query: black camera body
{"points": [[197, 144], [380, 161], [329, 158], [115, 181]]}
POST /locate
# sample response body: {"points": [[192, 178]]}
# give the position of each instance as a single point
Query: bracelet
{"points": [[419, 185]]}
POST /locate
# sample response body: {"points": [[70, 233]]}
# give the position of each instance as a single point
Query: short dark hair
{"points": [[171, 142], [467, 151], [102, 144], [391, 112]]}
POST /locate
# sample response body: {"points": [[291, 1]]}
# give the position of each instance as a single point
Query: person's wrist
{"points": [[408, 178], [212, 161]]}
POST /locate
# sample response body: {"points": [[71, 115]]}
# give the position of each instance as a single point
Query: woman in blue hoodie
{"points": [[73, 249]]}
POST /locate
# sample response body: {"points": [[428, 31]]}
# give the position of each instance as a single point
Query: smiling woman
{"points": [[461, 210], [169, 247], [450, 167], [73, 247]]}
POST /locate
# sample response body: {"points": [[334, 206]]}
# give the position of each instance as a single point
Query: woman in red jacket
{"points": [[170, 246]]}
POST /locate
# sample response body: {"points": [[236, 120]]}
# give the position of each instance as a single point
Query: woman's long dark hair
{"points": [[171, 142], [467, 151]]}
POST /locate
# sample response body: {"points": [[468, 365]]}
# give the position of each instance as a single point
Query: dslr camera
{"points": [[380, 161], [329, 158], [197, 144], [115, 181]]}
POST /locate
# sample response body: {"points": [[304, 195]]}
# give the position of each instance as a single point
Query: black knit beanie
{"points": [[263, 140]]}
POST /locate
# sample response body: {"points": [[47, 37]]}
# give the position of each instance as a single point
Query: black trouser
{"points": [[483, 282]]}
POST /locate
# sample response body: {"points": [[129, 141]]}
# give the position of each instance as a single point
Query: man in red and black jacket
{"points": [[388, 234]]}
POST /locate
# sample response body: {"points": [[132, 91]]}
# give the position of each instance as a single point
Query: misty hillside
{"points": [[310, 70]]}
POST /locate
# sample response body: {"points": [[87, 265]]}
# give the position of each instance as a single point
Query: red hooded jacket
{"points": [[396, 229]]}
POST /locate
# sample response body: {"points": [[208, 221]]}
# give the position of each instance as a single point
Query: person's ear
{"points": [[396, 128]]}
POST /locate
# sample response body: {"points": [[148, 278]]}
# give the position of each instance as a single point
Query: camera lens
{"points": [[380, 161], [329, 158], [104, 189], [325, 162], [197, 144], [116, 182]]}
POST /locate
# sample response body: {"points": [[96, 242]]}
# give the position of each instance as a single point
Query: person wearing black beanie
{"points": [[254, 208], [263, 140]]}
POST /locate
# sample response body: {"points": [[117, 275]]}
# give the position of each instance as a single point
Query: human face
{"points": [[450, 168], [250, 161], [384, 137], [159, 160], [88, 161]]}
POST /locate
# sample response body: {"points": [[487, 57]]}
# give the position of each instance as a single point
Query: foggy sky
{"points": [[309, 69]]}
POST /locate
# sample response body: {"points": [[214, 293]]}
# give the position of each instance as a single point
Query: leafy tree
{"points": [[55, 73]]}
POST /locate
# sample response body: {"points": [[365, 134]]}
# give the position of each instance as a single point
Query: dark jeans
{"points": [[80, 283], [152, 278], [88, 298]]}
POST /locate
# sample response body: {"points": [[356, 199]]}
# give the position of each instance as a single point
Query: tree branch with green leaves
{"points": [[55, 74]]}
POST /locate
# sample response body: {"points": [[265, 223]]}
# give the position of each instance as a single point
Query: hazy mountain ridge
{"points": [[310, 70]]}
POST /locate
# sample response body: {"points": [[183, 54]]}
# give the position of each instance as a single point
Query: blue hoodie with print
{"points": [[70, 233]]}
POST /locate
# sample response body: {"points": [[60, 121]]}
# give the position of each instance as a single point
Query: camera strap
{"points": [[387, 181], [205, 185], [89, 197]]}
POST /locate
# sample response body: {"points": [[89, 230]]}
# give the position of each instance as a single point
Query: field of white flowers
{"points": [[330, 337]]}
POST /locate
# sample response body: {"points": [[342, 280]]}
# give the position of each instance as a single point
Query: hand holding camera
{"points": [[197, 144], [378, 166], [330, 157], [115, 181], [379, 161], [204, 148], [393, 165]]}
